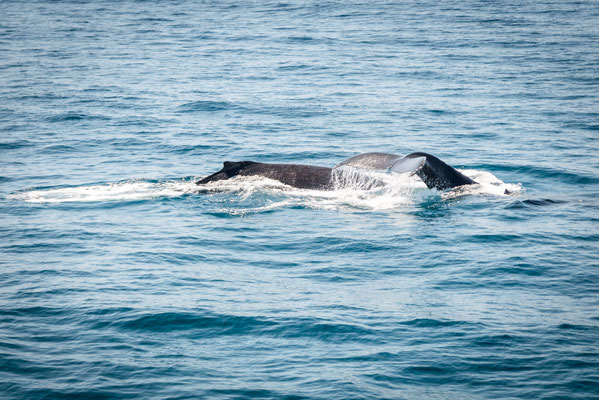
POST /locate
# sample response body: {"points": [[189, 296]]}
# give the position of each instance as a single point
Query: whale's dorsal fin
{"points": [[230, 164], [235, 165], [230, 169]]}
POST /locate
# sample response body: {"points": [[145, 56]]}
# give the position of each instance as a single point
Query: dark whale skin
{"points": [[439, 175], [296, 175]]}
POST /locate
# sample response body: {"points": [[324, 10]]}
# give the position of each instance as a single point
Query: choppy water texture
{"points": [[120, 278]]}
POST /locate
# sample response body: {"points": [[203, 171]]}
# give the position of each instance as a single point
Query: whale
{"points": [[435, 173]]}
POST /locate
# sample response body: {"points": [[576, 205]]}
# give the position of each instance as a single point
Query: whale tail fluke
{"points": [[435, 173]]}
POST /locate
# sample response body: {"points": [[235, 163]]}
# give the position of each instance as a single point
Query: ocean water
{"points": [[122, 279]]}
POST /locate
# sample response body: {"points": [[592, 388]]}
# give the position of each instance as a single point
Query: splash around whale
{"points": [[362, 181], [435, 173]]}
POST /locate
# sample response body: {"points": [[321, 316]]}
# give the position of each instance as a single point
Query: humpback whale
{"points": [[434, 172]]}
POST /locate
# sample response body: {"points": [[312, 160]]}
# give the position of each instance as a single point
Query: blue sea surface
{"points": [[120, 278]]}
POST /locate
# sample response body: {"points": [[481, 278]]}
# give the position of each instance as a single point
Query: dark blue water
{"points": [[120, 278]]}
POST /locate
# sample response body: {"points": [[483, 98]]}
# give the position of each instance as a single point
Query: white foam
{"points": [[354, 189], [130, 190], [488, 184]]}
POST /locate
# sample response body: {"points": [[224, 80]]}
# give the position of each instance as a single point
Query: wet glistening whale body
{"points": [[434, 172]]}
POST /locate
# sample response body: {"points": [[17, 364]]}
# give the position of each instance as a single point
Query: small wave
{"points": [[545, 173], [60, 148], [432, 323], [15, 145], [74, 116], [528, 203], [205, 106], [300, 38], [130, 190], [155, 19], [209, 324]]}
